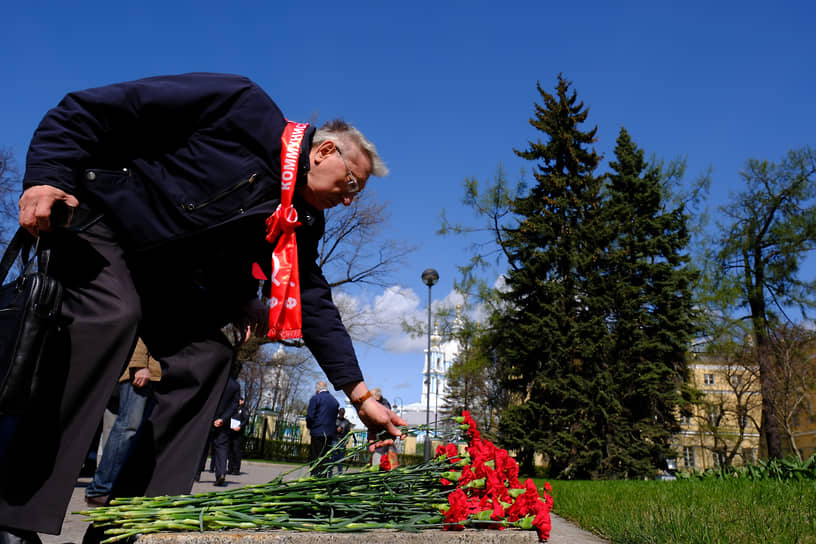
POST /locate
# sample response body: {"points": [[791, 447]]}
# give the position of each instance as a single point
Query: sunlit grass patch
{"points": [[691, 511]]}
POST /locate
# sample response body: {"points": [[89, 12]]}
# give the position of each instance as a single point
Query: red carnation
{"points": [[498, 509], [452, 452], [467, 476], [542, 521], [457, 511], [472, 431], [496, 486]]}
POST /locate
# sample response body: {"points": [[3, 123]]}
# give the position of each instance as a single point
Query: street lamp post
{"points": [[429, 278], [436, 406]]}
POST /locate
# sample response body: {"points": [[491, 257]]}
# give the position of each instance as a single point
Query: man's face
{"points": [[328, 179]]}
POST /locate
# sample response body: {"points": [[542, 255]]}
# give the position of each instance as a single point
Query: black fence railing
{"points": [[278, 440]]}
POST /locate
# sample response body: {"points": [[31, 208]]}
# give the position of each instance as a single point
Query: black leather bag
{"points": [[29, 315]]}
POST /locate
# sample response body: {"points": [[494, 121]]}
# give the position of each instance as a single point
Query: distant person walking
{"points": [[135, 395], [238, 423], [343, 428], [320, 420], [220, 439]]}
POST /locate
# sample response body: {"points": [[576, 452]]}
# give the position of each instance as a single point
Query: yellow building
{"points": [[724, 427], [804, 425]]}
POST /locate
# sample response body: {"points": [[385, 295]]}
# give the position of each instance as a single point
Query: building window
{"points": [[719, 459], [736, 380], [713, 414], [688, 456], [708, 379], [749, 455], [685, 419]]}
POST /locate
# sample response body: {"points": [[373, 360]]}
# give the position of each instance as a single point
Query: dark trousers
{"points": [[104, 307], [220, 450], [236, 445], [319, 446]]}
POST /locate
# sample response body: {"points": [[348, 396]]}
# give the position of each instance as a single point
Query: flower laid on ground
{"points": [[477, 489], [488, 489]]}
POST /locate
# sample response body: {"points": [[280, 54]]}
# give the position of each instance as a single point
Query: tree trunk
{"points": [[770, 433]]}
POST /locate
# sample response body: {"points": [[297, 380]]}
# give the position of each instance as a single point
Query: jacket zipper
{"points": [[193, 206]]}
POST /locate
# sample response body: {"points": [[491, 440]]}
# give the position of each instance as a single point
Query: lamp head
{"points": [[430, 277]]}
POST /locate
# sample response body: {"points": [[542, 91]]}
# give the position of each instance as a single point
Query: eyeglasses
{"points": [[352, 185]]}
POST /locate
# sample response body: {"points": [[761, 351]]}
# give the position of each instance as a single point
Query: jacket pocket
{"points": [[92, 176], [195, 205], [139, 213]]}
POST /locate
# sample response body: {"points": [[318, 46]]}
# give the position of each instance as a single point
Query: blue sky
{"points": [[445, 90]]}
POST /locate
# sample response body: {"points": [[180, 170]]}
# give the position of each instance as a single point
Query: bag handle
{"points": [[21, 244]]}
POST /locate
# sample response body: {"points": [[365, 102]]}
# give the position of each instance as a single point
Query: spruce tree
{"points": [[648, 285], [549, 337]]}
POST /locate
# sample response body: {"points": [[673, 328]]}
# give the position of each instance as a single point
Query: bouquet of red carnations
{"points": [[488, 491], [478, 488]]}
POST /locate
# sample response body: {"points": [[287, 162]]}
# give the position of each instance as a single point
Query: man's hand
{"points": [[141, 377], [36, 204], [374, 415], [218, 422]]}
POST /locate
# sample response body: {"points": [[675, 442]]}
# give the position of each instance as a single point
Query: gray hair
{"points": [[321, 386], [340, 132]]}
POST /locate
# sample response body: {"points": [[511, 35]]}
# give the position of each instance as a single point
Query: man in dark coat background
{"points": [[221, 426], [153, 196], [238, 423], [320, 419]]}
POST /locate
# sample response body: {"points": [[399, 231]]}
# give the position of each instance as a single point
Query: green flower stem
{"points": [[407, 498]]}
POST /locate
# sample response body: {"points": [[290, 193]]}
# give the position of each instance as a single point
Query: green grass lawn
{"points": [[691, 511]]}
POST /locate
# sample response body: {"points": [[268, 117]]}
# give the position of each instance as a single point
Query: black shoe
{"points": [[97, 500], [88, 469], [220, 481], [18, 536]]}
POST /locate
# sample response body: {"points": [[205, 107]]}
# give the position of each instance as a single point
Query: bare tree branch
{"points": [[9, 191], [353, 250]]}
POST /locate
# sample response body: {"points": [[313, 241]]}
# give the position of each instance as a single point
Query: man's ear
{"points": [[324, 150]]}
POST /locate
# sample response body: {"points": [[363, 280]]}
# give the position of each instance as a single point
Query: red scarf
{"points": [[285, 318]]}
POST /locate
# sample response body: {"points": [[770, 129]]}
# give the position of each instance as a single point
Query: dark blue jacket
{"points": [[175, 161], [321, 415], [166, 156], [228, 403]]}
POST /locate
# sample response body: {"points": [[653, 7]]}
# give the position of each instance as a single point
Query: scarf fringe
{"points": [[285, 334]]}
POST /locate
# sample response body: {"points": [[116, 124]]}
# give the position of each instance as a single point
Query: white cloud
{"points": [[393, 306], [378, 320]]}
